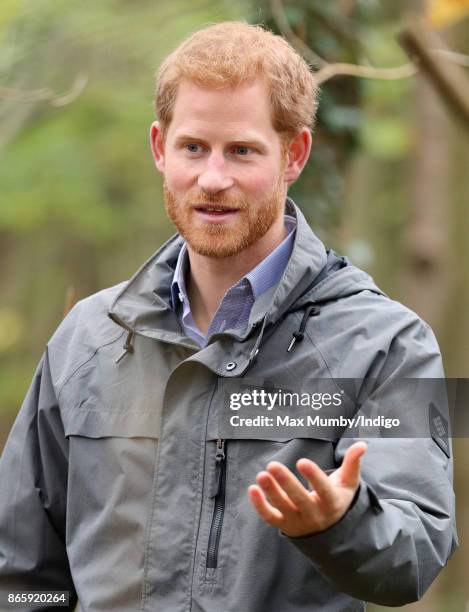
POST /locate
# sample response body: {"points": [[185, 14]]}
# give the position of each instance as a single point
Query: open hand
{"points": [[283, 502]]}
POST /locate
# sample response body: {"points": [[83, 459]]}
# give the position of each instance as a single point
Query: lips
{"points": [[215, 214], [215, 209]]}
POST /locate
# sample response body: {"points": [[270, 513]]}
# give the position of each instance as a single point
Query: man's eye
{"points": [[192, 147], [243, 151]]}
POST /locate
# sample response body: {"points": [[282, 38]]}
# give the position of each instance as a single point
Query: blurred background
{"points": [[387, 183]]}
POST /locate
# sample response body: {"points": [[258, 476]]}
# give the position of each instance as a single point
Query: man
{"points": [[116, 482]]}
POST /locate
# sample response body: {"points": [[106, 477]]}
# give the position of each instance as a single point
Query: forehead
{"points": [[232, 109]]}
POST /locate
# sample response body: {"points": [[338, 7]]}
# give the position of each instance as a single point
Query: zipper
{"points": [[219, 507]]}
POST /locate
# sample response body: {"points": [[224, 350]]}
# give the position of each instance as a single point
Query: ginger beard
{"points": [[223, 240]]}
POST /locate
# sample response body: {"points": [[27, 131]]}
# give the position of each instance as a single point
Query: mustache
{"points": [[223, 203], [199, 199], [212, 204]]}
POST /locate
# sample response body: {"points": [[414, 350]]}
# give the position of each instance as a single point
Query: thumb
{"points": [[350, 468]]}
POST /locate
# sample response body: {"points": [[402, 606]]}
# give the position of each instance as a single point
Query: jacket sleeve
{"points": [[400, 529], [33, 485]]}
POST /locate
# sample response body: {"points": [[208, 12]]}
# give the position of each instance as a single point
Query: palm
{"points": [[282, 500]]}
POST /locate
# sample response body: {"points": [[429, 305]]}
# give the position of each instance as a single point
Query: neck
{"points": [[210, 278]]}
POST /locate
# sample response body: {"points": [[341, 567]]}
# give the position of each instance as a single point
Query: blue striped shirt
{"points": [[235, 307]]}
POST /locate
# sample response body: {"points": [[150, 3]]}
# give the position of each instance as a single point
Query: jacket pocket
{"points": [[102, 422], [112, 468], [252, 455], [231, 523]]}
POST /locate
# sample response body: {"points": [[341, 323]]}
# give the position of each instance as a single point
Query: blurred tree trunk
{"points": [[433, 272], [434, 279], [426, 278]]}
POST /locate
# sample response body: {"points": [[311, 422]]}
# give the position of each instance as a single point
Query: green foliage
{"points": [[80, 200], [360, 32], [386, 137], [79, 195]]}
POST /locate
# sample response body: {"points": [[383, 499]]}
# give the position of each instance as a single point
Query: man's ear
{"points": [[297, 154], [157, 145]]}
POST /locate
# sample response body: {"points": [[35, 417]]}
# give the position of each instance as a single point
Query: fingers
{"points": [[270, 515], [282, 500], [350, 468], [290, 484], [320, 482], [274, 493]]}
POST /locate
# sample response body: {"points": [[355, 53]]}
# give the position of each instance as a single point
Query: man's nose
{"points": [[214, 177]]}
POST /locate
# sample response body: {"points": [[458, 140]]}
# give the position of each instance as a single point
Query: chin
{"points": [[213, 248]]}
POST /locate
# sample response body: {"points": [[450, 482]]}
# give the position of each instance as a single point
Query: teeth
{"points": [[215, 209]]}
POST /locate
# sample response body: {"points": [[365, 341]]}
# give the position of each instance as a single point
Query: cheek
{"points": [[261, 184], [178, 178], [262, 179]]}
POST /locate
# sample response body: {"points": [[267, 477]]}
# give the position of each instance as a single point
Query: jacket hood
{"points": [[339, 279], [312, 275]]}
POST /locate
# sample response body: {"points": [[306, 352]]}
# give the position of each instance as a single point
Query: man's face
{"points": [[223, 167]]}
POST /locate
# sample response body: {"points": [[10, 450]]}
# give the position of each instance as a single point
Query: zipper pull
{"points": [[219, 459], [220, 454], [292, 343]]}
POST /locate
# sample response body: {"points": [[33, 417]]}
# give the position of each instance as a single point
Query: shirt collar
{"points": [[178, 285], [266, 274], [269, 271]]}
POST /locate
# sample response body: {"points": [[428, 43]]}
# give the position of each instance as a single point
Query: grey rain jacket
{"points": [[114, 487]]}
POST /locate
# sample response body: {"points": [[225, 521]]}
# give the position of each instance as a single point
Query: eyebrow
{"points": [[249, 142]]}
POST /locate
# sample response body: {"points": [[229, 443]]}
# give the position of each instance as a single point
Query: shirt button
{"points": [[231, 365]]}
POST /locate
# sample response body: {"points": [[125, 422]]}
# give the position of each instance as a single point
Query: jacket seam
{"points": [[199, 516], [352, 281], [87, 360], [147, 543], [298, 318], [112, 411], [319, 351], [316, 346]]}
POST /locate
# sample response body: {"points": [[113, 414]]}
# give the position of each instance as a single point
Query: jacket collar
{"points": [[143, 306]]}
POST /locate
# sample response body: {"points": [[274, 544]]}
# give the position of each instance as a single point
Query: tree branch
{"points": [[45, 94], [278, 14], [448, 78], [367, 72], [330, 70], [453, 56]]}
